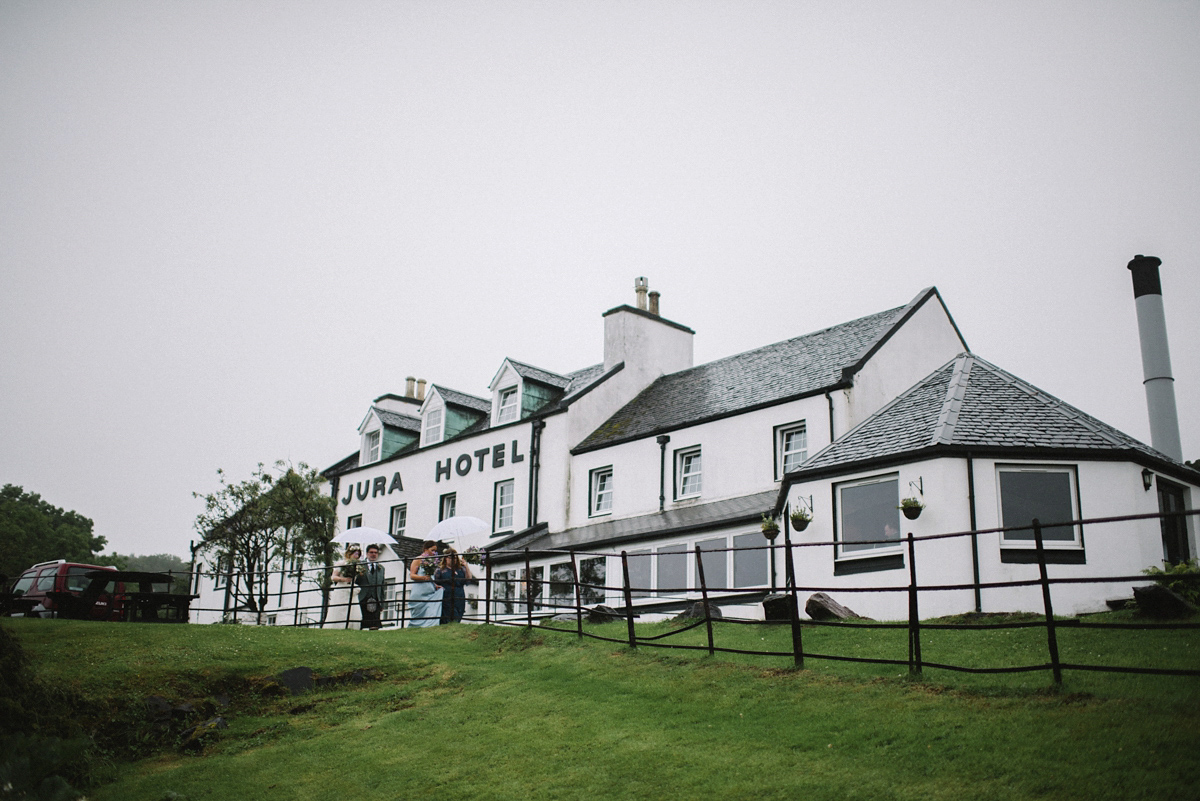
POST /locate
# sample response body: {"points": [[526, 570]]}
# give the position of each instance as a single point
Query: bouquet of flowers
{"points": [[429, 565], [352, 569]]}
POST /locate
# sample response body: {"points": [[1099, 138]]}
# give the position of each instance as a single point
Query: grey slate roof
{"points": [[772, 374], [971, 403], [395, 420], [456, 398], [531, 373], [747, 508]]}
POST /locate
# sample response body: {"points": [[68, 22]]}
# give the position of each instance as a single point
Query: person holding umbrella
{"points": [[453, 575], [426, 596], [370, 593]]}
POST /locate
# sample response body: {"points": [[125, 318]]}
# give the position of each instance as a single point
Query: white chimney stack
{"points": [[1156, 357]]}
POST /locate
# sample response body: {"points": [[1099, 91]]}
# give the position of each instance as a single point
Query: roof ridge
{"points": [[956, 389], [771, 345]]}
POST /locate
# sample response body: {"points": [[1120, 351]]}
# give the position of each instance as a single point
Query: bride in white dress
{"points": [[343, 609]]}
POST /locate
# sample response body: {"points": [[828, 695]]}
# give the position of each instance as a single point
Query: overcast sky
{"points": [[226, 227]]}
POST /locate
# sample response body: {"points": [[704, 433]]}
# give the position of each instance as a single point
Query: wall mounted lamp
{"points": [[1147, 479]]}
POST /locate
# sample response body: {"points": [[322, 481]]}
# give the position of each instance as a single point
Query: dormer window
{"points": [[433, 427], [371, 446], [509, 408]]}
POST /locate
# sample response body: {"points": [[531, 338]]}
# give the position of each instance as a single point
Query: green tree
{"points": [[32, 531], [269, 518]]}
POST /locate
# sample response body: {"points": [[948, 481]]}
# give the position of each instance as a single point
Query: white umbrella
{"points": [[364, 535], [459, 529]]}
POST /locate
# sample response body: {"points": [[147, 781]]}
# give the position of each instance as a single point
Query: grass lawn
{"points": [[498, 713]]}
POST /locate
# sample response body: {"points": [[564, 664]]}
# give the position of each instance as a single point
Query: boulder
{"points": [[602, 614], [820, 606], [696, 610], [777, 607], [1161, 603]]}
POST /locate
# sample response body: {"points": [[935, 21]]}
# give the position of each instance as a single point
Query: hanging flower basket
{"points": [[911, 508], [800, 520], [770, 528]]}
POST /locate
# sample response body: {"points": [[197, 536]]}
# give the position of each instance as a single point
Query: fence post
{"points": [[528, 592], [704, 598], [578, 598], [1051, 634], [628, 599], [404, 571], [487, 590], [793, 606], [914, 617]]}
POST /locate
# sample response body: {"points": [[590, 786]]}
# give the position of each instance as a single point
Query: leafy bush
{"points": [[1182, 578]]}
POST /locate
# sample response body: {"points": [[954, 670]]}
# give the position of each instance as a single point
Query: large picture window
{"points": [[1045, 493], [600, 492], [870, 519]]}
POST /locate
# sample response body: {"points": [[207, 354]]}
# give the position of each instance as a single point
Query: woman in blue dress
{"points": [[453, 575], [425, 598]]}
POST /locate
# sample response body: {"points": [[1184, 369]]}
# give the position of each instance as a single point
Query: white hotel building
{"points": [[647, 453]]}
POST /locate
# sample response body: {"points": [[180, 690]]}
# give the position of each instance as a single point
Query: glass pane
{"points": [[504, 588], [603, 492], [714, 564], [869, 514], [672, 570], [690, 471], [795, 449], [750, 567], [592, 572], [562, 585], [639, 573], [1045, 494]]}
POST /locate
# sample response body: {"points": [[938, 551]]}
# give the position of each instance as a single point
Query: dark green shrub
{"points": [[1182, 578]]}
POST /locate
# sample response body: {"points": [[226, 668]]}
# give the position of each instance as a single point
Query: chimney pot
{"points": [[410, 387], [640, 285], [420, 389], [654, 302]]}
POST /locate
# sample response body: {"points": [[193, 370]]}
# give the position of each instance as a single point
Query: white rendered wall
{"points": [[925, 342]]}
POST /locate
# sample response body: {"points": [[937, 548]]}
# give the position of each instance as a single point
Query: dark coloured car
{"points": [[63, 586]]}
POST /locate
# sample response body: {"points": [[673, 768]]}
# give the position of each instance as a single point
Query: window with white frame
{"points": [[600, 491], [502, 510], [446, 506], [1043, 492], [639, 572], [868, 513], [354, 521], [399, 520], [504, 590], [371, 444], [671, 570], [509, 408], [432, 433], [592, 573], [750, 561], [791, 447], [714, 556], [687, 473]]}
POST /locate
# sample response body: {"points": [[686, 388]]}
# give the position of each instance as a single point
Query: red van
{"points": [[42, 582]]}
